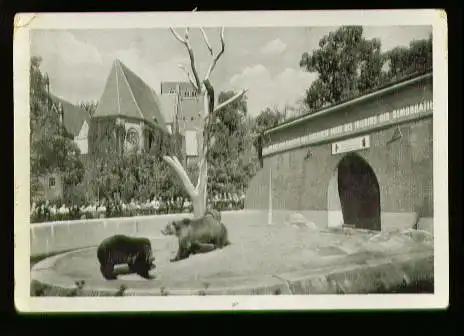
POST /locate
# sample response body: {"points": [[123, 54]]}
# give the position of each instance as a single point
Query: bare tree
{"points": [[198, 192]]}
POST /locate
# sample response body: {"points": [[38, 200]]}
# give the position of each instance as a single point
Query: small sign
{"points": [[350, 145]]}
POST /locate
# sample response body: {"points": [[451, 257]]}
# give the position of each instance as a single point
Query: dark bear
{"points": [[200, 235], [120, 249]]}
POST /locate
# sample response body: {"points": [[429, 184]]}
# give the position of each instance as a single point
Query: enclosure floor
{"points": [[261, 260]]}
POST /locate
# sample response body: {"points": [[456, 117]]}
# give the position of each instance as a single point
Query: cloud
{"points": [[76, 69], [153, 72], [265, 90], [274, 47], [63, 45]]}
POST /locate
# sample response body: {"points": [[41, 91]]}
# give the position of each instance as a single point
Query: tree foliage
{"points": [[403, 61], [52, 149], [231, 156], [268, 118], [89, 106], [348, 65]]}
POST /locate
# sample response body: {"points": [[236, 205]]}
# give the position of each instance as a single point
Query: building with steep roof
{"points": [[134, 104]]}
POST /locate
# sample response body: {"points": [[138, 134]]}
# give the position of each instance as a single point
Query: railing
{"points": [[47, 216]]}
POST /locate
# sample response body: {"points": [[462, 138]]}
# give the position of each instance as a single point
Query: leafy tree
{"points": [[349, 65], [403, 61], [52, 149], [266, 119], [346, 64], [232, 157]]}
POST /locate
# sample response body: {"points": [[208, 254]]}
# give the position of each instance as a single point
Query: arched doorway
{"points": [[359, 193], [334, 207]]}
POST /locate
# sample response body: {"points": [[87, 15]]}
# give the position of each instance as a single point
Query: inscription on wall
{"points": [[351, 145], [396, 116]]}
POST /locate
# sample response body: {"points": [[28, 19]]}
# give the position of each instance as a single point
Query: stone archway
{"points": [[354, 195]]}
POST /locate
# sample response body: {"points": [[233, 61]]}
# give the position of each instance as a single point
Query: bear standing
{"points": [[121, 249]]}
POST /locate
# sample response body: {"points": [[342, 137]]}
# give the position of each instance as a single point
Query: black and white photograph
{"points": [[212, 160]]}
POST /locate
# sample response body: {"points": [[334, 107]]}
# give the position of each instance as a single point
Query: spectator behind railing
{"points": [[46, 211]]}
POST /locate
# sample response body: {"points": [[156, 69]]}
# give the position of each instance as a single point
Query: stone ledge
{"points": [[383, 275]]}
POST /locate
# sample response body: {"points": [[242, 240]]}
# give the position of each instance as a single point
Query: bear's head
{"points": [[173, 228]]}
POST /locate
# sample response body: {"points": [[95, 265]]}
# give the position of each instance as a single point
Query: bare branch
{"points": [[201, 163], [186, 34], [176, 160], [205, 39], [192, 65], [205, 107], [230, 100], [189, 76], [181, 173], [177, 36], [186, 43], [217, 57], [202, 175]]}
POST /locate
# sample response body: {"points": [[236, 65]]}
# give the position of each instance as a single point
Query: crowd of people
{"points": [[46, 211]]}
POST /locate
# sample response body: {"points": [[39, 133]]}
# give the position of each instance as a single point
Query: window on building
{"points": [[51, 182], [191, 143]]}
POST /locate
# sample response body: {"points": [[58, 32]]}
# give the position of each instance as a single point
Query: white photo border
{"points": [[21, 51]]}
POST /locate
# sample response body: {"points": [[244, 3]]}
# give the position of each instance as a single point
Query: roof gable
{"points": [[83, 133], [74, 116], [127, 95]]}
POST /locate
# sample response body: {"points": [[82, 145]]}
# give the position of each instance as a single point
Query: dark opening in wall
{"points": [[359, 193]]}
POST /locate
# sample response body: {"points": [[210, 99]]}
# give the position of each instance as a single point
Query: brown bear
{"points": [[121, 249], [214, 213], [200, 235]]}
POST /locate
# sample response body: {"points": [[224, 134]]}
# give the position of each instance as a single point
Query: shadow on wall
{"points": [[353, 195]]}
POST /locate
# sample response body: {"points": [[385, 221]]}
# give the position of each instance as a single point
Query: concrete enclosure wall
{"points": [[55, 237]]}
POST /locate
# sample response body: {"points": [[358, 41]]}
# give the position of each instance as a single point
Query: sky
{"points": [[263, 60]]}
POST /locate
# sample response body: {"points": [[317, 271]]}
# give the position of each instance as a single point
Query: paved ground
{"points": [[261, 259]]}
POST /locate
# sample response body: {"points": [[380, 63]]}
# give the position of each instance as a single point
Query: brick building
{"points": [[365, 162], [179, 99]]}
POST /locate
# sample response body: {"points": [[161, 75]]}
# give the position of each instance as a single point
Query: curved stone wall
{"points": [[60, 236], [55, 237]]}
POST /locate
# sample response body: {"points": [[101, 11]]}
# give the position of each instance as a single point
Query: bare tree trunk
{"points": [[198, 193], [199, 206]]}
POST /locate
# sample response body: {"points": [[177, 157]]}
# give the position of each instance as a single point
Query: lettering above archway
{"points": [[406, 113]]}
